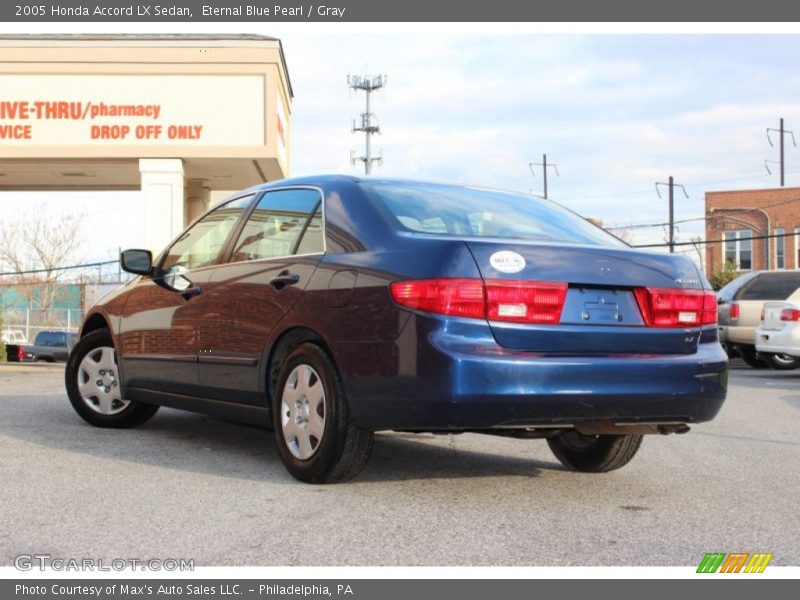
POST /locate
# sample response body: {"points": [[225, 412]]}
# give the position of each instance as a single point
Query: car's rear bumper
{"points": [[736, 334], [457, 382], [779, 341]]}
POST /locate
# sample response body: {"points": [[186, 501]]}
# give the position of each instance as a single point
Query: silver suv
{"points": [[739, 310]]}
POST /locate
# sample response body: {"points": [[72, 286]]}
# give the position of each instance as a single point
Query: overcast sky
{"points": [[615, 112]]}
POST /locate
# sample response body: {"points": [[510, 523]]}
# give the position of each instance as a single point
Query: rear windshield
{"points": [[729, 290], [51, 338], [472, 212], [770, 286]]}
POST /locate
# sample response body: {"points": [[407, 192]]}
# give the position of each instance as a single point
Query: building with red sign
{"points": [[175, 116]]}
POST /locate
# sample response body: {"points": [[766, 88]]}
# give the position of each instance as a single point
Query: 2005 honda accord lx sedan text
{"points": [[333, 307]]}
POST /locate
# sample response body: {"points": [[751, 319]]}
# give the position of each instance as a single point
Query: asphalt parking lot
{"points": [[188, 486]]}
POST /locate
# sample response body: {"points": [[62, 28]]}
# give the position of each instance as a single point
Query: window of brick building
{"points": [[780, 249], [739, 249], [796, 248]]}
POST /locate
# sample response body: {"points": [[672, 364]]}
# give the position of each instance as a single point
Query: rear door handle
{"points": [[283, 279]]}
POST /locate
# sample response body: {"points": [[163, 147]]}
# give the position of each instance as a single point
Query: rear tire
{"points": [[594, 453], [93, 383], [781, 362], [316, 436], [751, 357]]}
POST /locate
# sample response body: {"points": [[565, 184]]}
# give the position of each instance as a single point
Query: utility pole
{"points": [[671, 185], [369, 123], [781, 131], [544, 166]]}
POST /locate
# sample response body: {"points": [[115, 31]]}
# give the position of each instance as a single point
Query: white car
{"points": [[779, 331], [13, 336]]}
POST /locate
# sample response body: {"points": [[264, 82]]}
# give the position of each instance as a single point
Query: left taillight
{"points": [[514, 301], [454, 297], [669, 307]]}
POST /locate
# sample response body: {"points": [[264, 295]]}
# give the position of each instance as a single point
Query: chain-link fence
{"points": [[30, 321]]}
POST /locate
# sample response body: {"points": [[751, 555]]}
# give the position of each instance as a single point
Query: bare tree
{"points": [[697, 244], [32, 248], [623, 232]]}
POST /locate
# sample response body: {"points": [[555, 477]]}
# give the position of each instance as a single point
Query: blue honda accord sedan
{"points": [[333, 307]]}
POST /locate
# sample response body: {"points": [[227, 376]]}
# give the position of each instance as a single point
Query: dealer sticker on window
{"points": [[507, 261]]}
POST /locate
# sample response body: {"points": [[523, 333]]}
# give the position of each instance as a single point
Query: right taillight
{"points": [[669, 307], [790, 314], [734, 311], [514, 301]]}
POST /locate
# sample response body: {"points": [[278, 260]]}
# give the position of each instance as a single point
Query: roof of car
{"points": [[332, 179]]}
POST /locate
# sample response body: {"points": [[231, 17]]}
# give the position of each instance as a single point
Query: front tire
{"points": [[594, 453], [315, 434], [93, 385]]}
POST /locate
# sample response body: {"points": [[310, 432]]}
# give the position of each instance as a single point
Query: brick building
{"points": [[735, 216]]}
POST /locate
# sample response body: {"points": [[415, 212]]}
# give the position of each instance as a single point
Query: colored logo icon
{"points": [[735, 562]]}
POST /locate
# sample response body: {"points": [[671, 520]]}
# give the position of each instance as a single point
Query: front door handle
{"points": [[283, 279]]}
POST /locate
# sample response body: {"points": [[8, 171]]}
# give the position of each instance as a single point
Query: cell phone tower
{"points": [[369, 122]]}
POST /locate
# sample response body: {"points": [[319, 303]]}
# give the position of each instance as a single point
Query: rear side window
{"points": [[770, 286], [284, 222], [312, 238], [473, 212]]}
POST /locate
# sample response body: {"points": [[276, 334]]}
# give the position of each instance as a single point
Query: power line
{"points": [[691, 184], [695, 242], [83, 266], [693, 219]]}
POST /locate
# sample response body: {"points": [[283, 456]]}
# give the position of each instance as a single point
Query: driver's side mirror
{"points": [[138, 262]]}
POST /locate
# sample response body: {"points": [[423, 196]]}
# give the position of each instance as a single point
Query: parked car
{"points": [[48, 346], [13, 336], [779, 331], [740, 304], [333, 307]]}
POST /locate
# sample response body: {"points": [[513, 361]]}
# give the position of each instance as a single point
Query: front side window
{"points": [[200, 245], [283, 223]]}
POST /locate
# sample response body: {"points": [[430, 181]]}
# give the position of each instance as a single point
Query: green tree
{"points": [[723, 276]]}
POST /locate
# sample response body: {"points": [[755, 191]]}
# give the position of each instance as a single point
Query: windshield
{"points": [[472, 212]]}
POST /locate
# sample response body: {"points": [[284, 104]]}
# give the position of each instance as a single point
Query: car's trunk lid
{"points": [[601, 313], [772, 315]]}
